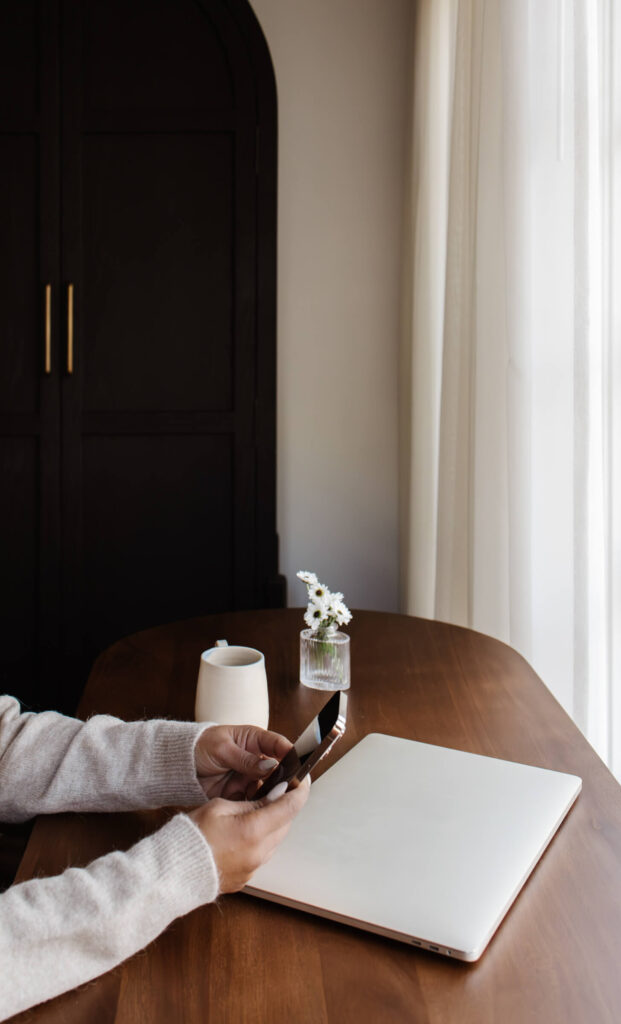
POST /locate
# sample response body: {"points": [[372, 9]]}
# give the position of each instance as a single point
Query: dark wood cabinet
{"points": [[137, 326]]}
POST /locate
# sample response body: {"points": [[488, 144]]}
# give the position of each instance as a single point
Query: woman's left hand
{"points": [[230, 759]]}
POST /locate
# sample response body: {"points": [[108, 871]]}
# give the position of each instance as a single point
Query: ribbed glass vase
{"points": [[324, 660]]}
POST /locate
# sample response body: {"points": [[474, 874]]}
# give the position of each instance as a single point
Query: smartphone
{"points": [[318, 738]]}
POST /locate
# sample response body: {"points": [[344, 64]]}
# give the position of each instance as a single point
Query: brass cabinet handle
{"points": [[48, 328], [70, 328]]}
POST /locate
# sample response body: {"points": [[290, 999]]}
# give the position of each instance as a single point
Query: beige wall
{"points": [[343, 79]]}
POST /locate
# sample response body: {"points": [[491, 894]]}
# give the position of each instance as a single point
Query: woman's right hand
{"points": [[244, 834]]}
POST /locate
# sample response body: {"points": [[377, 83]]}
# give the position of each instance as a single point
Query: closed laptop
{"points": [[424, 844]]}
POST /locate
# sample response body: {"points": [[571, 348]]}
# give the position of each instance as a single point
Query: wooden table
{"points": [[556, 957]]}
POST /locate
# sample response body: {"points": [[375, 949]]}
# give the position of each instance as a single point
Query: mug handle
{"points": [[222, 643]]}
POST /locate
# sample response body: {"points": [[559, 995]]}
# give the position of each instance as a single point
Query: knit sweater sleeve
{"points": [[56, 933], [51, 763]]}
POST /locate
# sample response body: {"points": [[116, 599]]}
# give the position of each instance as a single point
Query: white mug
{"points": [[232, 686]]}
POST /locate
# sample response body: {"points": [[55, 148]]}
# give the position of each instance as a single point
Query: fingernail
{"points": [[276, 792], [267, 764]]}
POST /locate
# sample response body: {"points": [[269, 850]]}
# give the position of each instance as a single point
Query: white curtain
{"points": [[511, 374]]}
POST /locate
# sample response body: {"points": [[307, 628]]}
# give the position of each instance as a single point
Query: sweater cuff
{"points": [[174, 779], [195, 880]]}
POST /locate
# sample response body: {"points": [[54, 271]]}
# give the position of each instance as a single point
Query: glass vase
{"points": [[324, 660]]}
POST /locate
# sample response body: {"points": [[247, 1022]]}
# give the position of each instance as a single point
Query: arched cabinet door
{"points": [[166, 291]]}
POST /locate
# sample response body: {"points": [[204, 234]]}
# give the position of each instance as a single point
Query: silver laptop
{"points": [[420, 843]]}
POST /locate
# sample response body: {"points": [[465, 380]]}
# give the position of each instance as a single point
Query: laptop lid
{"points": [[420, 843]]}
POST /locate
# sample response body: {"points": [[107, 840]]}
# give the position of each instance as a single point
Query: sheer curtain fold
{"points": [[511, 385]]}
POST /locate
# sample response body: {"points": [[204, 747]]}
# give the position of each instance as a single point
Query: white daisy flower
{"points": [[308, 577], [320, 594], [314, 615], [341, 612]]}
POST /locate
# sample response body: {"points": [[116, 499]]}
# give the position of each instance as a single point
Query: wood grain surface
{"points": [[243, 961]]}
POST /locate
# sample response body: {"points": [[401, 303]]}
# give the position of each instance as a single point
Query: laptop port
{"points": [[436, 949]]}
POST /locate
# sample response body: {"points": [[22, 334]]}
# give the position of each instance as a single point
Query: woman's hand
{"points": [[230, 759], [243, 835]]}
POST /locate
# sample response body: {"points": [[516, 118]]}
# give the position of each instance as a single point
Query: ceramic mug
{"points": [[232, 686]]}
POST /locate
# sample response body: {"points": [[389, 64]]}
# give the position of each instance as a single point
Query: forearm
{"points": [[56, 933], [51, 763]]}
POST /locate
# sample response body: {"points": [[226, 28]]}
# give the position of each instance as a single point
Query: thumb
{"points": [[231, 808], [245, 763]]}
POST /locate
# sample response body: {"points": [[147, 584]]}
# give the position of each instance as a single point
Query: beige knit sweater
{"points": [[56, 933]]}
